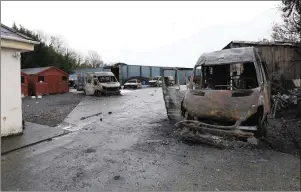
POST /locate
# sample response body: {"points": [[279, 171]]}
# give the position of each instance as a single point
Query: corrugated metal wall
{"points": [[145, 71], [155, 71], [133, 71]]}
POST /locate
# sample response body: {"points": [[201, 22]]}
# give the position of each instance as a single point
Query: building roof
{"points": [[227, 56], [9, 33], [33, 71], [263, 43], [38, 70]]}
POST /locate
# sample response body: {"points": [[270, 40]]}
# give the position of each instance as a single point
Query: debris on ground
{"points": [[165, 142], [252, 140], [90, 150], [110, 113], [117, 177], [96, 114]]}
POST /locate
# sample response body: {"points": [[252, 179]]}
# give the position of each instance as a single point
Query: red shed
{"points": [[46, 80], [24, 84]]}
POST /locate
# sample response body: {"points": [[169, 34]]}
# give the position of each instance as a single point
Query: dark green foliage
{"points": [[50, 54]]}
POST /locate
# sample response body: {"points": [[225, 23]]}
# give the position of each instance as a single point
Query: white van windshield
{"points": [[106, 79]]}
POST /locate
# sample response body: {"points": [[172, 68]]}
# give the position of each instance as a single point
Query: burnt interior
{"points": [[226, 76]]}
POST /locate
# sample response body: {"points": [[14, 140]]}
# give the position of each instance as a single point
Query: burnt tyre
{"points": [[261, 124]]}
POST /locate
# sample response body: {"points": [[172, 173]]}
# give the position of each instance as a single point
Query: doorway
{"points": [[115, 71]]}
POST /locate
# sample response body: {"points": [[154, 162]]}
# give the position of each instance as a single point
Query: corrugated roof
{"points": [[9, 32], [263, 43], [32, 71], [234, 55]]}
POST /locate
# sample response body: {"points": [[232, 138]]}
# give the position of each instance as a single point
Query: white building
{"points": [[12, 44]]}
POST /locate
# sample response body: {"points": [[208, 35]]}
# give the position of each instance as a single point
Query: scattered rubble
{"points": [[96, 114]]}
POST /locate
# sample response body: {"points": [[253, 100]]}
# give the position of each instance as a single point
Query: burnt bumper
{"points": [[111, 91]]}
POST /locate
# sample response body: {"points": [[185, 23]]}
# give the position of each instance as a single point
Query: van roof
{"points": [[101, 73], [227, 56]]}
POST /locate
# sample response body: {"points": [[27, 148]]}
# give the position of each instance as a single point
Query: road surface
{"points": [[133, 148]]}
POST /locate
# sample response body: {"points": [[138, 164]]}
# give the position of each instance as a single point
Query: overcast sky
{"points": [[146, 32]]}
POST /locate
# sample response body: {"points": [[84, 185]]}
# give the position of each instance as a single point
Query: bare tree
{"points": [[58, 44], [93, 59], [290, 29], [44, 37]]}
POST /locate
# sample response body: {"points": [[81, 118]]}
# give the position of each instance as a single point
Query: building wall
{"points": [[24, 86], [11, 102], [281, 60]]}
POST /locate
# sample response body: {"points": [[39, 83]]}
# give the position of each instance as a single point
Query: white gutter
{"points": [[20, 40]]}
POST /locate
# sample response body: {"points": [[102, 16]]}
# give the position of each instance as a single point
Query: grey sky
{"points": [[146, 32]]}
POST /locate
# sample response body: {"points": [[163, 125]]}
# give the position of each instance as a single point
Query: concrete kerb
{"points": [[34, 143]]}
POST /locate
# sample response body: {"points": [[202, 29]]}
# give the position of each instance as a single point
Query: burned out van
{"points": [[229, 92], [101, 83]]}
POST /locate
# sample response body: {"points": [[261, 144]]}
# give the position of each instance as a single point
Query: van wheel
{"points": [[261, 125], [98, 93]]}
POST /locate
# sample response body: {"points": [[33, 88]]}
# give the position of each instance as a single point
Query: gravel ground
{"points": [[284, 134], [51, 109], [131, 147]]}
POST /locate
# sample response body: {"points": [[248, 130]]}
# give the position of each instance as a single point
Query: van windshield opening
{"points": [[226, 76], [132, 81], [157, 78], [106, 79]]}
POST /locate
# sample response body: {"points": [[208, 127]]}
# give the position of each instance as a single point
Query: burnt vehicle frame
{"points": [[219, 107]]}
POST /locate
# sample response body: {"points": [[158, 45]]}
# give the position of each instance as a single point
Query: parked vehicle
{"points": [[155, 82], [101, 83], [229, 93], [72, 80], [133, 83]]}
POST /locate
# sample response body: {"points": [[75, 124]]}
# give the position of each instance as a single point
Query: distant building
{"points": [[124, 72], [12, 44]]}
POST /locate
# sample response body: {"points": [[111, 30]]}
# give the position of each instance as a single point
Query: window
{"points": [[22, 79], [106, 79], [40, 78], [64, 78], [95, 82], [225, 76], [197, 78]]}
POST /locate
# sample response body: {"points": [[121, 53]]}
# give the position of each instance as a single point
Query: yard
{"points": [[50, 110], [130, 145]]}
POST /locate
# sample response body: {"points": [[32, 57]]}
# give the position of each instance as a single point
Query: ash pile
{"points": [[285, 120]]}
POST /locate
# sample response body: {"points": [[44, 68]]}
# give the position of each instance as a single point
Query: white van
{"points": [[101, 83]]}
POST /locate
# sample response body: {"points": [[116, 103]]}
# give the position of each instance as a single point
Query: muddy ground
{"points": [[133, 148], [51, 109]]}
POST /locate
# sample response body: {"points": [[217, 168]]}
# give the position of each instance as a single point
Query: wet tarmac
{"points": [[133, 148]]}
